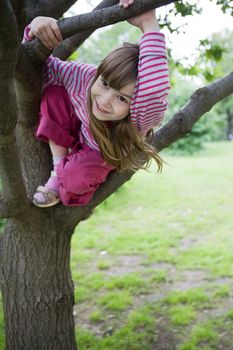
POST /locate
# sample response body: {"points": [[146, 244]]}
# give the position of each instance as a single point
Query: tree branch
{"points": [[69, 45], [97, 19], [10, 172], [200, 102], [104, 17]]}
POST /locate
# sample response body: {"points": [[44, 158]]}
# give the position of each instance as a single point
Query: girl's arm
{"points": [[56, 72], [149, 101]]}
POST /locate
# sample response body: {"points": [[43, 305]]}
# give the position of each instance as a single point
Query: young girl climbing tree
{"points": [[96, 120]]}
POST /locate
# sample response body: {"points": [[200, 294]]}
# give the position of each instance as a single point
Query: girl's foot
{"points": [[47, 195]]}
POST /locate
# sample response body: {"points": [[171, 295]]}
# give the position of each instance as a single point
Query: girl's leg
{"points": [[59, 127], [56, 150], [80, 174]]}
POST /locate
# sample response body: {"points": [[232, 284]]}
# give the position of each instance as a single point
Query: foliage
{"points": [[226, 6], [182, 9], [186, 9]]}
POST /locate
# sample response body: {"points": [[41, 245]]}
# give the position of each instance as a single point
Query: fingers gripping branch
{"points": [[12, 184]]}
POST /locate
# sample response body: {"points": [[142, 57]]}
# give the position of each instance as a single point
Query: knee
{"points": [[78, 180]]}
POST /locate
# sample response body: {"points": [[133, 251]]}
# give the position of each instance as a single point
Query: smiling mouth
{"points": [[101, 109]]}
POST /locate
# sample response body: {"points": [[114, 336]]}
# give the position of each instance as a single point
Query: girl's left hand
{"points": [[126, 3], [147, 21]]}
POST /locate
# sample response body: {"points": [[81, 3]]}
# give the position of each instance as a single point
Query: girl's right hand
{"points": [[47, 30]]}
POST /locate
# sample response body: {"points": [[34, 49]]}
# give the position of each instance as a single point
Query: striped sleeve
{"points": [[72, 75], [26, 36], [149, 100]]}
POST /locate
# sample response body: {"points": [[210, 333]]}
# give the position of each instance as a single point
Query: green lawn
{"points": [[153, 266]]}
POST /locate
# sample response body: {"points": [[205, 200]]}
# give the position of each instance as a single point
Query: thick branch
{"points": [[200, 102], [93, 20], [10, 173]]}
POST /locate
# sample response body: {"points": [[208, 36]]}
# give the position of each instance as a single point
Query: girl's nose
{"points": [[107, 98]]}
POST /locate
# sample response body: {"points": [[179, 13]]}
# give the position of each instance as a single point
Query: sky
{"points": [[199, 26]]}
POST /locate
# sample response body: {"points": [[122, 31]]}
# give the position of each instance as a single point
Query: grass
{"points": [[153, 265], [191, 296]]}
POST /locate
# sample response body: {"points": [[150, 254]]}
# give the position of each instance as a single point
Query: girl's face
{"points": [[109, 104]]}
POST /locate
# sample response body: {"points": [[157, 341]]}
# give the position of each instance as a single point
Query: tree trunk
{"points": [[38, 293]]}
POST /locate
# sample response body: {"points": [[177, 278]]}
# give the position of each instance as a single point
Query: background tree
{"points": [[36, 283]]}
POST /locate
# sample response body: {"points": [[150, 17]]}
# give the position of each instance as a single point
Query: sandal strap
{"points": [[42, 189], [50, 194]]}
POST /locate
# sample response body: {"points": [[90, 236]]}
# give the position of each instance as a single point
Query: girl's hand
{"points": [[126, 3], [147, 22], [47, 30]]}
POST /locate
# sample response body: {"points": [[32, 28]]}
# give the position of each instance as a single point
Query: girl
{"points": [[96, 119]]}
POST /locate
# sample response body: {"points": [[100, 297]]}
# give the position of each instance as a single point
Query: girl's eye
{"points": [[104, 82], [122, 99]]}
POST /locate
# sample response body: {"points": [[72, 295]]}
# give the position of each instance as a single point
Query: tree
{"points": [[36, 283]]}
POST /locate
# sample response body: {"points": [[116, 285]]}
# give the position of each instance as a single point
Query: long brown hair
{"points": [[120, 143]]}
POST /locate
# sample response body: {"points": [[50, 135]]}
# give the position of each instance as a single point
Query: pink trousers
{"points": [[83, 170]]}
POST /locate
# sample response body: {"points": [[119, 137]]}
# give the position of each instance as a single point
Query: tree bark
{"points": [[10, 172], [37, 289]]}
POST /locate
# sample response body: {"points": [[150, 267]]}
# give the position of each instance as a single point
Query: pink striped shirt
{"points": [[149, 100]]}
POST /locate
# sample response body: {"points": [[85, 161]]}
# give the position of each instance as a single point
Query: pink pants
{"points": [[83, 169]]}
